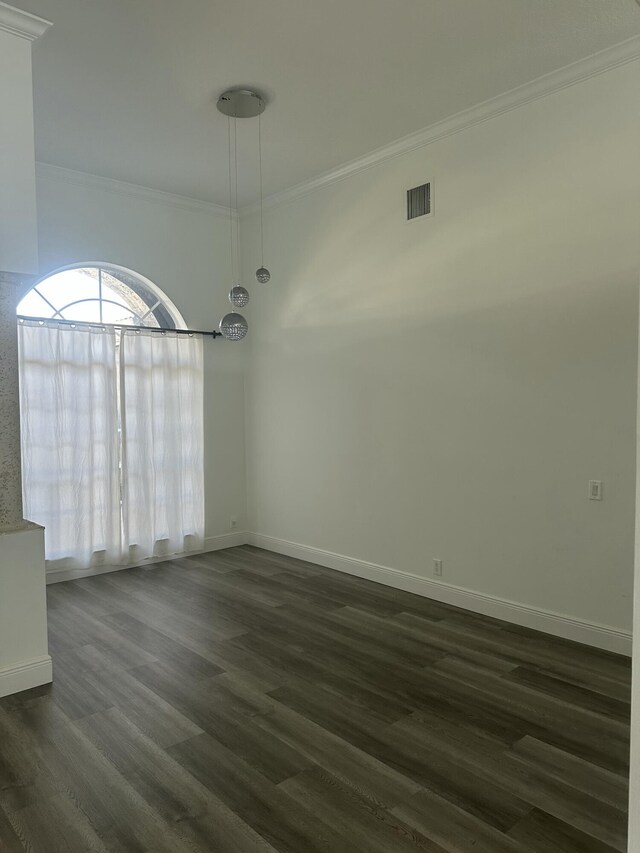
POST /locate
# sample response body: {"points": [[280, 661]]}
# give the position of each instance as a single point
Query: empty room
{"points": [[318, 426]]}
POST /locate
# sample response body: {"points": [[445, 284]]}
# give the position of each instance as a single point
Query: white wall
{"points": [[447, 387], [634, 770], [24, 656], [185, 251], [18, 238]]}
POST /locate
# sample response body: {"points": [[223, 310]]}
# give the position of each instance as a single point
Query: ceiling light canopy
{"points": [[241, 103]]}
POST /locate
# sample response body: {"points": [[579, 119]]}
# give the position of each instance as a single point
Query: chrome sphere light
{"points": [[263, 275], [239, 296], [233, 326]]}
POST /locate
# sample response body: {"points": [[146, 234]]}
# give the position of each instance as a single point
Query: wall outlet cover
{"points": [[595, 490]]}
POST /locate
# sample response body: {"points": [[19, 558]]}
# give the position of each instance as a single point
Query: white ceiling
{"points": [[126, 89]]}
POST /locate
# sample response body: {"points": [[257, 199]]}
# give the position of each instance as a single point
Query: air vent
{"points": [[419, 201]]}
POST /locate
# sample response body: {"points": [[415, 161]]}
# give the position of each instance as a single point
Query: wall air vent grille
{"points": [[419, 201]]}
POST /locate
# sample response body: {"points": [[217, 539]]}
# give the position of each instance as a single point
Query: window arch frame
{"points": [[170, 316]]}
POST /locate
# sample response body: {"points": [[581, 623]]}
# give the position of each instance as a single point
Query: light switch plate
{"points": [[595, 490]]}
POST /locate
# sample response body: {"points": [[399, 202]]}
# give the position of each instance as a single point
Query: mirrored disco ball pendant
{"points": [[239, 296], [233, 326]]}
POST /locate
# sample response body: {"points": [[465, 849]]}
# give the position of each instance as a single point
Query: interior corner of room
{"points": [[443, 404]]}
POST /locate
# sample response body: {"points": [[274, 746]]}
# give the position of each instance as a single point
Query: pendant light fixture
{"points": [[262, 274], [235, 104]]}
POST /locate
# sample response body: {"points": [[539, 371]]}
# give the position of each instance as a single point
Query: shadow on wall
{"points": [[471, 435], [509, 224]]}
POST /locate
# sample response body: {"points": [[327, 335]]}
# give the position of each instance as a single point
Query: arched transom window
{"points": [[100, 294]]}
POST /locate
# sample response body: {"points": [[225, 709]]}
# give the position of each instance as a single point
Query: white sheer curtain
{"points": [[112, 443], [70, 443], [162, 443]]}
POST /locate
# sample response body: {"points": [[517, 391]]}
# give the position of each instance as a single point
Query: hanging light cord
{"points": [[260, 162], [235, 200], [233, 277]]}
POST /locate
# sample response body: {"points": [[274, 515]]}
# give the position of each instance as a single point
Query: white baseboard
{"points": [[60, 575], [211, 543], [570, 628], [590, 633], [24, 676], [225, 540]]}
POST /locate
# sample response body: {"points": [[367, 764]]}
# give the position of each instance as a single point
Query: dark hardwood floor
{"points": [[243, 702]]}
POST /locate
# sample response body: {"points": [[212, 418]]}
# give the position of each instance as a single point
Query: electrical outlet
{"points": [[233, 522], [595, 490], [437, 568]]}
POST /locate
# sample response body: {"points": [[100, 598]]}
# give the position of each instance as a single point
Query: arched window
{"points": [[112, 423], [100, 293]]}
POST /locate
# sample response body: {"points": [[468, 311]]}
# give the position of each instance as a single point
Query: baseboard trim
{"points": [[567, 627], [24, 676], [61, 575], [211, 543], [225, 540]]}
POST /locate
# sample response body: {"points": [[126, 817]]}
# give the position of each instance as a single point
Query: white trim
{"points": [[22, 24], [24, 676], [225, 540], [599, 63], [634, 768], [211, 543], [547, 621], [568, 627], [60, 575], [555, 81], [48, 172], [167, 303]]}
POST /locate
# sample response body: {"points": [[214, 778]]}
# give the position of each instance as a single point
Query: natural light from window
{"points": [[98, 295]]}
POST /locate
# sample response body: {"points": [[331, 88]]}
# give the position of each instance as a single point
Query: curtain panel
{"points": [[112, 443], [70, 453], [162, 443]]}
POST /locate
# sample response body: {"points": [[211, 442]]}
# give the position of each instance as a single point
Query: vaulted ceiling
{"points": [[126, 89]]}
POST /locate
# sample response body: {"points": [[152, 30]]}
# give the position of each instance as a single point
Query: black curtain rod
{"points": [[43, 320]]}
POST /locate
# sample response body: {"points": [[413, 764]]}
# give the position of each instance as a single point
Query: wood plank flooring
{"points": [[243, 702]]}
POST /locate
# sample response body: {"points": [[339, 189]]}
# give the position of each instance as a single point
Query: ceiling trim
{"points": [[577, 72], [48, 172], [22, 24], [555, 81]]}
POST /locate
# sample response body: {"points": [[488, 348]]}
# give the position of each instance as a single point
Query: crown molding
{"points": [[584, 69], [59, 174], [22, 24], [555, 81]]}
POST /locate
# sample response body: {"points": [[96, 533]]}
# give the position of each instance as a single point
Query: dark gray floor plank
{"points": [[10, 840], [580, 697], [269, 810], [545, 834], [159, 720], [605, 786], [56, 825], [452, 827], [371, 828], [526, 781], [159, 644], [90, 792], [368, 776], [602, 739]]}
